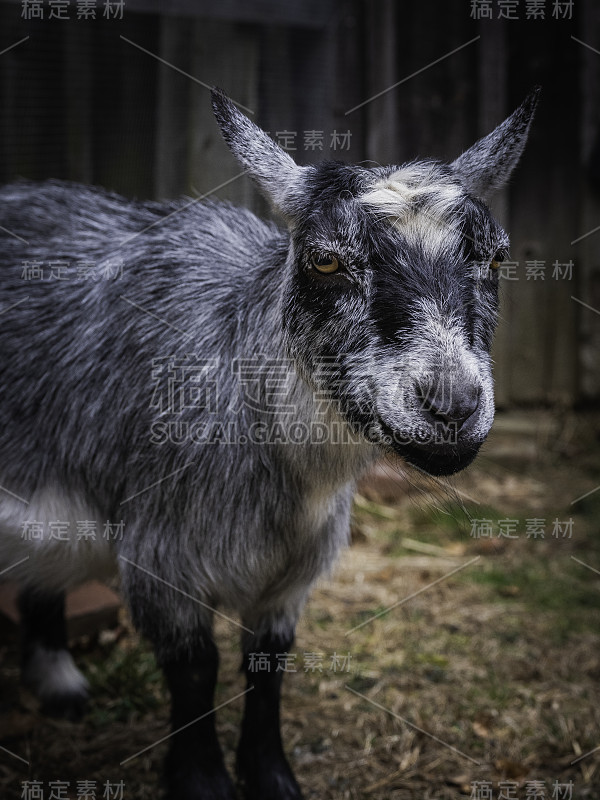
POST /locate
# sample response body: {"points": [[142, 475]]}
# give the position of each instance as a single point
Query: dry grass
{"points": [[489, 674]]}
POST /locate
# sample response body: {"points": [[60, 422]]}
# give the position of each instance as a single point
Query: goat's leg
{"points": [[46, 665], [181, 634], [261, 763], [194, 767]]}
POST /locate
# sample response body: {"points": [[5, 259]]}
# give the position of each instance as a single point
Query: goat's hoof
{"points": [[187, 782], [55, 680], [267, 780], [70, 706], [207, 789]]}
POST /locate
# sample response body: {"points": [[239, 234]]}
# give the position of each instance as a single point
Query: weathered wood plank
{"points": [[587, 251], [350, 82], [210, 162], [381, 112], [33, 119], [543, 215], [307, 13], [11, 31], [78, 76], [124, 105], [173, 110], [492, 89]]}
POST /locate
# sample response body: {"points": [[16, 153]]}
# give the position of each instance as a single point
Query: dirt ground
{"points": [[478, 678]]}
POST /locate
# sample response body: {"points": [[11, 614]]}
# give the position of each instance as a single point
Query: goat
{"points": [[222, 396]]}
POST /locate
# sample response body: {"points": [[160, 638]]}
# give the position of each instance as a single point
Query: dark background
{"points": [[81, 102]]}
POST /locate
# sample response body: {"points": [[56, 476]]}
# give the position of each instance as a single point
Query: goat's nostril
{"points": [[450, 405]]}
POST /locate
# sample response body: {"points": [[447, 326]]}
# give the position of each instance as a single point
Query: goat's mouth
{"points": [[436, 462], [433, 457]]}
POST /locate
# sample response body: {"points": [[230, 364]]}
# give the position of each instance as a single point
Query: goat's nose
{"points": [[449, 404]]}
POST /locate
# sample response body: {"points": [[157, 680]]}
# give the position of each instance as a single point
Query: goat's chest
{"points": [[307, 543]]}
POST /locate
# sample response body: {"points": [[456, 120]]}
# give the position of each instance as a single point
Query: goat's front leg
{"points": [[181, 634], [194, 766], [261, 763]]}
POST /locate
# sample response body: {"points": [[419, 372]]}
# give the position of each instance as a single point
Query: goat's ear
{"points": [[485, 166], [271, 167]]}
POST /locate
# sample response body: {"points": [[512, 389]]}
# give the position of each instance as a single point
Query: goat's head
{"points": [[390, 290]]}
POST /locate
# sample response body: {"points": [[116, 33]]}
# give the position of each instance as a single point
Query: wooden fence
{"points": [[89, 100]]}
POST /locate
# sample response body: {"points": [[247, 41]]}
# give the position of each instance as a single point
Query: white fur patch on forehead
{"points": [[420, 202], [409, 188]]}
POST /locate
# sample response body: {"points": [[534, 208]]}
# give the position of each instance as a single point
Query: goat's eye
{"points": [[325, 265]]}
